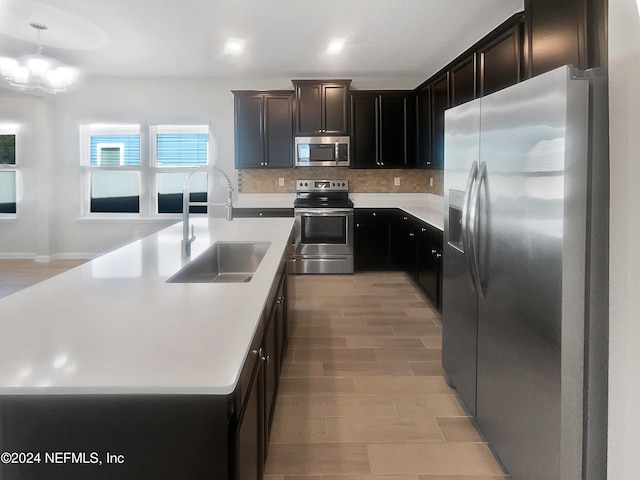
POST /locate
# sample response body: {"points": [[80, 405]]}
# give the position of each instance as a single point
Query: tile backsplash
{"points": [[360, 181]]}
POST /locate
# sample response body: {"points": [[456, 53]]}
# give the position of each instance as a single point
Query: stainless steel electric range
{"points": [[323, 228]]}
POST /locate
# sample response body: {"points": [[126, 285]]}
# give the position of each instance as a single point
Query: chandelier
{"points": [[37, 72]]}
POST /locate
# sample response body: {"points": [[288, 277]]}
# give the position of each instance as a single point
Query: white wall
{"points": [[49, 225], [624, 313], [19, 237]]}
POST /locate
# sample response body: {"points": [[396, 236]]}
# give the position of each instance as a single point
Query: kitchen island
{"points": [[108, 371]]}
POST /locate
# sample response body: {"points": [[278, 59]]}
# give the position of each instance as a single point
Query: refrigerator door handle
{"points": [[474, 218], [466, 237]]}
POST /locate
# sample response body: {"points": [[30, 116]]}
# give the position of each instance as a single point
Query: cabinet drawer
{"points": [[262, 212]]}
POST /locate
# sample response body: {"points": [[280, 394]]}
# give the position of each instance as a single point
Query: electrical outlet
{"points": [[431, 181], [396, 181], [281, 182]]}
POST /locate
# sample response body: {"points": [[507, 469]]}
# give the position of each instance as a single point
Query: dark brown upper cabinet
{"points": [[423, 126], [439, 103], [500, 61], [382, 129], [462, 81], [321, 107], [263, 129], [571, 32]]}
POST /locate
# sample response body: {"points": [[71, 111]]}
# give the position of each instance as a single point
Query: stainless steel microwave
{"points": [[322, 151]]}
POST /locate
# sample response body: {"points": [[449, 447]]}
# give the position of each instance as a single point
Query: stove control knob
{"points": [[333, 184], [306, 184], [344, 184]]}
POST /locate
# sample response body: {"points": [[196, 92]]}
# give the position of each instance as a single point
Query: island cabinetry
{"points": [[263, 129], [375, 239], [321, 107], [256, 392]]}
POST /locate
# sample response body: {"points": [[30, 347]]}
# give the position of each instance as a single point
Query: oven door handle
{"points": [[323, 211]]}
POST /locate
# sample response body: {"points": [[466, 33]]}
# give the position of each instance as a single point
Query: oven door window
{"points": [[330, 230]]}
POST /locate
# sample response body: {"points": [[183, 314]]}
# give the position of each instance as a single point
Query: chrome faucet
{"points": [[229, 204], [186, 239]]}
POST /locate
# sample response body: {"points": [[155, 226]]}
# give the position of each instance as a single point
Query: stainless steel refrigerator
{"points": [[525, 272]]}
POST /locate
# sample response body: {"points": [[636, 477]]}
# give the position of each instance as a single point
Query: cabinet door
{"points": [[423, 127], [282, 325], [500, 61], [408, 246], [374, 240], [270, 365], [364, 130], [557, 34], [308, 109], [428, 268], [439, 103], [278, 121], [462, 79], [335, 108], [249, 131], [249, 456], [396, 115], [322, 108]]}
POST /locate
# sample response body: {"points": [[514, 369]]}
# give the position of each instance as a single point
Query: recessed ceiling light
{"points": [[234, 46], [335, 46]]}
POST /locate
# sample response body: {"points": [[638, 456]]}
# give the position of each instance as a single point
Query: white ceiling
{"points": [[284, 38]]}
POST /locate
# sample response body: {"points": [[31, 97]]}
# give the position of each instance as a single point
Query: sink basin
{"points": [[224, 262]]}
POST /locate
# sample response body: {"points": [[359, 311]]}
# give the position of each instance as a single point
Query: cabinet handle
{"points": [[374, 214], [423, 229], [433, 252], [267, 358], [438, 255], [405, 218], [357, 225], [280, 300], [257, 352], [411, 234], [260, 214]]}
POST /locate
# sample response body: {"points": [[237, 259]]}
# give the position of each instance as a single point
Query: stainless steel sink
{"points": [[224, 262]]}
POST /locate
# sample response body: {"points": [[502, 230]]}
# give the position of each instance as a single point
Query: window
{"points": [[175, 151], [111, 158], [8, 171], [123, 178]]}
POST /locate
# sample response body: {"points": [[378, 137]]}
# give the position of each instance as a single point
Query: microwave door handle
{"points": [[336, 155]]}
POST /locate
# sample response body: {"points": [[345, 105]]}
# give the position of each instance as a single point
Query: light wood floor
{"points": [[18, 274], [363, 395]]}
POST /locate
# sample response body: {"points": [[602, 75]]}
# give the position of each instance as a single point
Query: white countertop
{"points": [[425, 206], [114, 326]]}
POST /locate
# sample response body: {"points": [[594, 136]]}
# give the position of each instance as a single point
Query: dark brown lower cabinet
{"points": [[256, 398], [390, 239], [248, 435], [375, 239], [428, 262]]}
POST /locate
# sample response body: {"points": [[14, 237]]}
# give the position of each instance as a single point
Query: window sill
{"points": [[128, 219], [7, 217]]}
